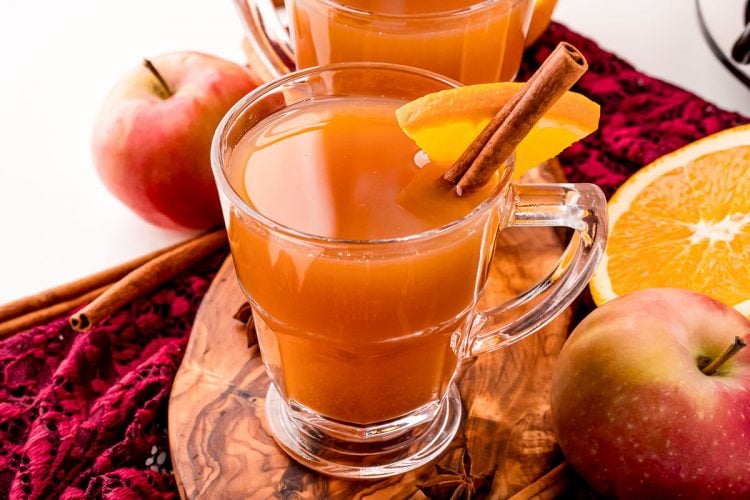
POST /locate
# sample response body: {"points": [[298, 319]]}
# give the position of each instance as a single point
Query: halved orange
{"points": [[444, 123], [684, 222]]}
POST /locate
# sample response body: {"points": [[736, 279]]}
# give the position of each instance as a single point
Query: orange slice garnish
{"points": [[444, 123]]}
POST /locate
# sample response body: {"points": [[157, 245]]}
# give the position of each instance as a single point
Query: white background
{"points": [[59, 59]]}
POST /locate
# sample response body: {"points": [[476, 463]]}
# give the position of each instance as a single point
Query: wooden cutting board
{"points": [[221, 446]]}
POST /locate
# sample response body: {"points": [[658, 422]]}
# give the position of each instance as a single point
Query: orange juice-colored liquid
{"points": [[408, 7], [470, 41], [360, 333]]}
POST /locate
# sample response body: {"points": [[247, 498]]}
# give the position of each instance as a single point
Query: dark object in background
{"points": [[734, 54], [741, 48]]}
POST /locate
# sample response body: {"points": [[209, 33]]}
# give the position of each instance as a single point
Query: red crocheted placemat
{"points": [[84, 415]]}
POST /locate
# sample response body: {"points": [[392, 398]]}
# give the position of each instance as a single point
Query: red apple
{"points": [[151, 144], [635, 408]]}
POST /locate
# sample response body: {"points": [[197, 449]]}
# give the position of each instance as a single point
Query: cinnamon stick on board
{"points": [[70, 291], [551, 485], [515, 120], [147, 278]]}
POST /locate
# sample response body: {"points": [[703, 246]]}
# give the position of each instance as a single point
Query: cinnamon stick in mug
{"points": [[515, 120]]}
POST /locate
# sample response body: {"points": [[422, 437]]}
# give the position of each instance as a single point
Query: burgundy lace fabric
{"points": [[84, 415]]}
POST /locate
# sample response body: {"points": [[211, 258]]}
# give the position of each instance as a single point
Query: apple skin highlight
{"points": [[634, 414]]}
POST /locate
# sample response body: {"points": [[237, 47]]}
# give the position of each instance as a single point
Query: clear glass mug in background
{"points": [[472, 41], [362, 339]]}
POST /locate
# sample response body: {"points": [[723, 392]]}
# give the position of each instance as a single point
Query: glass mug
{"points": [[472, 41], [363, 338]]}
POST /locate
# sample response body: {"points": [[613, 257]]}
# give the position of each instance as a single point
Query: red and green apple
{"points": [[151, 143], [651, 397]]}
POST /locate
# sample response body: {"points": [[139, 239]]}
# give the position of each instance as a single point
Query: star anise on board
{"points": [[245, 315], [456, 483]]}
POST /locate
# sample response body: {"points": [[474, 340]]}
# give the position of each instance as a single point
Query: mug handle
{"points": [[267, 35], [581, 207]]}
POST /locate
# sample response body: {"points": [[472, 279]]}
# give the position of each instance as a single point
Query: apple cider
{"points": [[352, 331], [471, 41]]}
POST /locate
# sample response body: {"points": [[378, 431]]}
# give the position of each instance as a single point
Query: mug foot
{"points": [[383, 450]]}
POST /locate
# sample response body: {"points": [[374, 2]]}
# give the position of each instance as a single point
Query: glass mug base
{"points": [[383, 450]]}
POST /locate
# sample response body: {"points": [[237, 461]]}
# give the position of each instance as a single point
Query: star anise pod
{"points": [[245, 315], [456, 483]]}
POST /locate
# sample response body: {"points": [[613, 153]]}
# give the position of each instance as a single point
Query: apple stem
{"points": [[730, 351], [150, 66]]}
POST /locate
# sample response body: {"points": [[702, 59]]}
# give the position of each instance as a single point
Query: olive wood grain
{"points": [[221, 446]]}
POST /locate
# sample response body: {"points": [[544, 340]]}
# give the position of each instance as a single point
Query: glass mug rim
{"points": [[218, 145], [478, 6]]}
